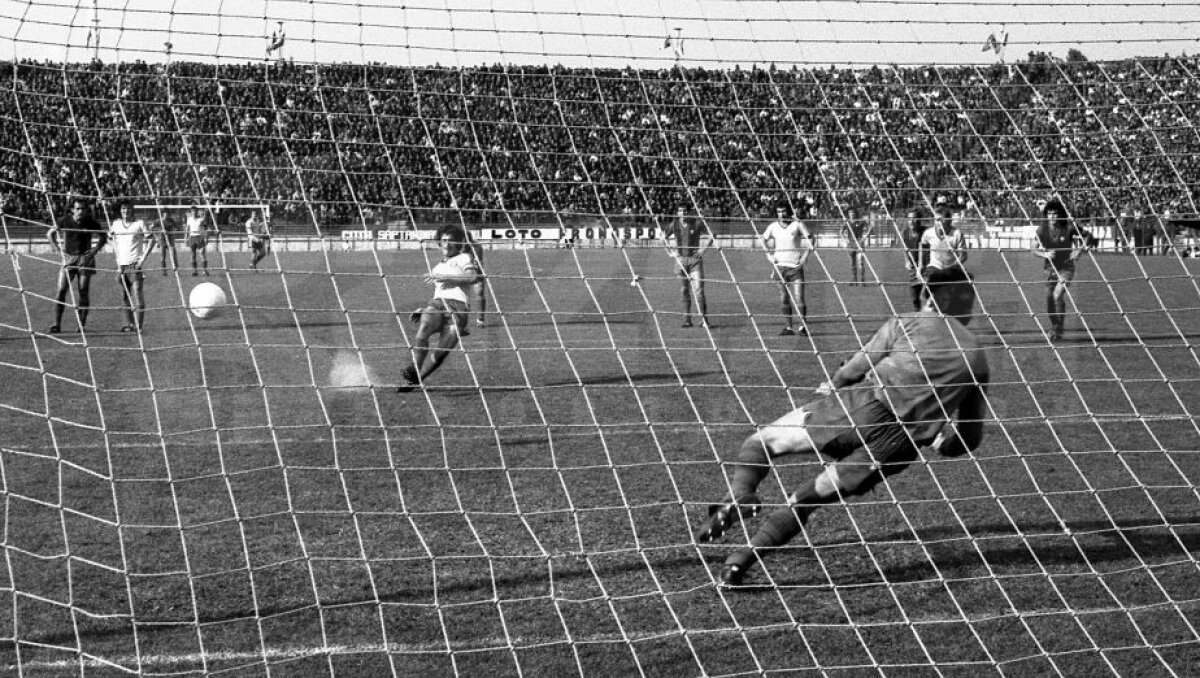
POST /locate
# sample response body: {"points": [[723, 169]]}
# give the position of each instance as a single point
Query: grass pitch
{"points": [[205, 498]]}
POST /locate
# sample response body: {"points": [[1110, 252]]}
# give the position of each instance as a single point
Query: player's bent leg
{"points": [[439, 353], [786, 435], [880, 446], [429, 321]]}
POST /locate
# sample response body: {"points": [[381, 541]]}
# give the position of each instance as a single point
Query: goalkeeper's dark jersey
{"points": [[922, 365]]}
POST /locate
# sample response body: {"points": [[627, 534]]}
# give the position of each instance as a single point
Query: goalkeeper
{"points": [[921, 370]]}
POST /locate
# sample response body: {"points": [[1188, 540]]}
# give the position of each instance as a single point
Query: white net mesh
{"points": [[248, 494]]}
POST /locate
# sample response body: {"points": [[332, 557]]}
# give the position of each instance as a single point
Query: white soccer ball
{"points": [[207, 300]]}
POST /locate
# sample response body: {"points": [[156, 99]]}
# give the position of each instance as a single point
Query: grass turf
{"points": [[200, 499]]}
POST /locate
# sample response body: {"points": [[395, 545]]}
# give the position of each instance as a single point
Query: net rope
{"points": [[250, 494]]}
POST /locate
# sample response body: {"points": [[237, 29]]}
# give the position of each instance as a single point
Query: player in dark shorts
{"points": [[77, 237], [1060, 241], [857, 230], [920, 380], [692, 240], [915, 258], [164, 236]]}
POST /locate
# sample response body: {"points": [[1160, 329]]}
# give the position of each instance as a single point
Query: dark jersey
{"points": [[1060, 242], [688, 233], [910, 239], [922, 366], [76, 238], [856, 232]]}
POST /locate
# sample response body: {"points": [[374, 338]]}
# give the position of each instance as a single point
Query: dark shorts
{"points": [[853, 427], [451, 309], [260, 243], [1063, 274], [791, 274], [79, 264], [689, 267], [197, 241]]}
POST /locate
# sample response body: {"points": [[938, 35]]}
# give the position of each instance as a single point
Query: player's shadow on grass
{"points": [[1041, 549], [1036, 545]]}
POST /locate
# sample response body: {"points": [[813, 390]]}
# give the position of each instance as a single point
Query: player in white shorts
{"points": [[446, 314], [790, 246], [258, 232], [132, 240]]}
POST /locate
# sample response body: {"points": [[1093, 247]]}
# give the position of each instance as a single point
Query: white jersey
{"points": [[944, 250], [460, 264], [790, 242], [129, 240], [195, 225]]}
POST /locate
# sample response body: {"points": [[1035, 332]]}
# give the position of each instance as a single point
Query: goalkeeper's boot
{"points": [[737, 566], [412, 380], [721, 517]]}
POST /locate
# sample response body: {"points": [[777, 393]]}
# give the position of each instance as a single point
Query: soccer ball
{"points": [[207, 300]]}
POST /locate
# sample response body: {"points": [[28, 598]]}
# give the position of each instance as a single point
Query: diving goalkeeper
{"points": [[921, 371]]}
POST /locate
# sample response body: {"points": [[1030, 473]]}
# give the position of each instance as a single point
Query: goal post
{"points": [[391, 455]]}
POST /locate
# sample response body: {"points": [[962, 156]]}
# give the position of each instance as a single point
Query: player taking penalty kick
{"points": [[446, 314], [919, 372]]}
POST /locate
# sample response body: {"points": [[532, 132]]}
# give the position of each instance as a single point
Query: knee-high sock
{"points": [[783, 525], [752, 466]]}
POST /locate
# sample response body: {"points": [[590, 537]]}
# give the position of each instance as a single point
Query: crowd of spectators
{"points": [[340, 144]]}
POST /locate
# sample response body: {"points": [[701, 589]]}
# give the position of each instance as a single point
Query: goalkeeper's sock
{"points": [[783, 525], [752, 466]]}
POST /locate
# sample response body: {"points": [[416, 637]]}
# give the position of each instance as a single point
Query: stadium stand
{"points": [[335, 145]]}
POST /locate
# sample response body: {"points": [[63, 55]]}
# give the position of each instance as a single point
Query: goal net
{"points": [[272, 490]]}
